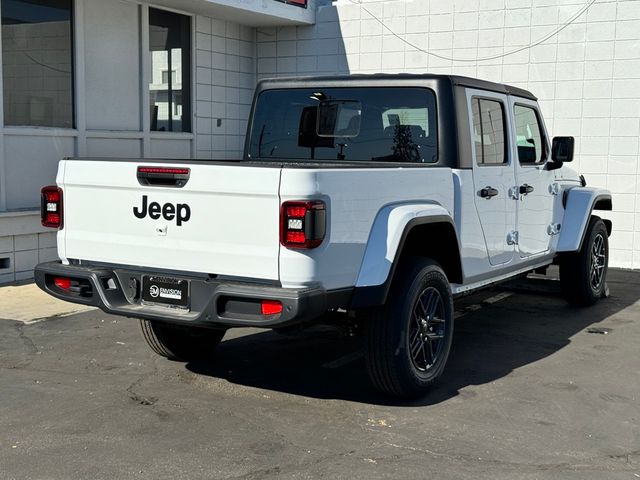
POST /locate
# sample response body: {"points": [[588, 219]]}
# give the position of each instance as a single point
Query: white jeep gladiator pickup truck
{"points": [[378, 198]]}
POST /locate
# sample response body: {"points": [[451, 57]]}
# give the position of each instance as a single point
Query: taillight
{"points": [[163, 176], [302, 224], [51, 214], [164, 171]]}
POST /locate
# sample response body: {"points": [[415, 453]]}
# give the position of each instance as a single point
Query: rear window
{"points": [[346, 124]]}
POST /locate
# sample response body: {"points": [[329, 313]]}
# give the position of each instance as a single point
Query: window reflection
{"points": [[170, 45], [37, 65]]}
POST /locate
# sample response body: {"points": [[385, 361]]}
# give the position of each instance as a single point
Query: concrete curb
{"points": [[28, 304]]}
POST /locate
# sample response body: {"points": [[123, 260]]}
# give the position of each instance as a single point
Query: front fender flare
{"points": [[579, 205]]}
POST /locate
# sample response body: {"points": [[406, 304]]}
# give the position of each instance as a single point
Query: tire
{"points": [[182, 344], [395, 367], [583, 275]]}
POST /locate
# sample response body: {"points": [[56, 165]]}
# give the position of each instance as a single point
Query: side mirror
{"points": [[562, 149]]}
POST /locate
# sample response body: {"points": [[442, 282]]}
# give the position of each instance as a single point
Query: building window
{"points": [[170, 87], [37, 63], [165, 77]]}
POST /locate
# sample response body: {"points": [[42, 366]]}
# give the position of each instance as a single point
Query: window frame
{"points": [[73, 50], [505, 124], [543, 135]]}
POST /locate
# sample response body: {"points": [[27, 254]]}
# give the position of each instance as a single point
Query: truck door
{"points": [[493, 172], [534, 182]]}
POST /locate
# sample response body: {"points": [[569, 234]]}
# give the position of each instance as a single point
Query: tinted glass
{"points": [[528, 135], [339, 119], [393, 125], [37, 63], [489, 131], [170, 88]]}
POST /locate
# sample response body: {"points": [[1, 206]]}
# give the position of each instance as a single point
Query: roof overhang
{"points": [[254, 13]]}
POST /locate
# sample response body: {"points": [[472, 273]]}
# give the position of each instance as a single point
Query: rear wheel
{"points": [[583, 274], [180, 343], [409, 339]]}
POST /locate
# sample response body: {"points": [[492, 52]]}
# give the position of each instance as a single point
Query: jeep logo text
{"points": [[181, 212]]}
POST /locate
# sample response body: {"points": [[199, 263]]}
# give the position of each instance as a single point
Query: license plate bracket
{"points": [[165, 291]]}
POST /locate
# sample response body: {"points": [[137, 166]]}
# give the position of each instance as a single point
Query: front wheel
{"points": [[583, 274], [180, 343], [409, 338]]}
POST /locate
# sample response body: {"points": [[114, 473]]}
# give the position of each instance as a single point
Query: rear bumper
{"points": [[213, 302]]}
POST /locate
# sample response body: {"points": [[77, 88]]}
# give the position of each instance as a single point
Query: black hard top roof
{"points": [[454, 79]]}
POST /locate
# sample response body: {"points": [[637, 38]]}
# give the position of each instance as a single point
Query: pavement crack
{"points": [[31, 349], [279, 470], [626, 456], [138, 397], [593, 465]]}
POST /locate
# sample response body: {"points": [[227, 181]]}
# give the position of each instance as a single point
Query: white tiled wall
{"points": [[587, 75], [225, 80]]}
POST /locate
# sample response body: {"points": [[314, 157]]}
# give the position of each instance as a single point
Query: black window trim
{"points": [[543, 134], [507, 137]]}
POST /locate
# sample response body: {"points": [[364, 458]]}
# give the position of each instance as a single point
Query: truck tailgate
{"points": [[232, 226]]}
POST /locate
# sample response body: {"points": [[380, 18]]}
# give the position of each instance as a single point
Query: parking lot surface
{"points": [[534, 389]]}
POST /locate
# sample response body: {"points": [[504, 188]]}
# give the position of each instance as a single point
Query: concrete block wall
{"points": [[19, 254], [225, 80], [583, 64]]}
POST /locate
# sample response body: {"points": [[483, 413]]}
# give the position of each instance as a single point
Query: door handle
{"points": [[488, 192], [526, 189]]}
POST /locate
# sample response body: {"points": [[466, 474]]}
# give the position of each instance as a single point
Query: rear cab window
{"points": [[353, 124]]}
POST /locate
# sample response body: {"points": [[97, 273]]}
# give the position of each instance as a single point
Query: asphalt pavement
{"points": [[534, 389]]}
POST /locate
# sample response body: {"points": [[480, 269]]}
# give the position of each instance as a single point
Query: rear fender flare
{"points": [[391, 227], [580, 202]]}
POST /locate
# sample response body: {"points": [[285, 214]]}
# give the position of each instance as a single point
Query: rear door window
{"points": [[374, 124], [489, 131], [529, 138]]}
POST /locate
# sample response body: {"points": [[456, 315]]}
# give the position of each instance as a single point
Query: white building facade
{"points": [[174, 78]]}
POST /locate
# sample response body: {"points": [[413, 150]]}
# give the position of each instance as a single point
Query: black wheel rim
{"points": [[427, 330], [598, 262]]}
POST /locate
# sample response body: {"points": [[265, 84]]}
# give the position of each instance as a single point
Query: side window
{"points": [[489, 131], [530, 142]]}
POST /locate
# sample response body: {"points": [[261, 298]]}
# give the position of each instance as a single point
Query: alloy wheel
{"points": [[598, 262], [427, 330]]}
